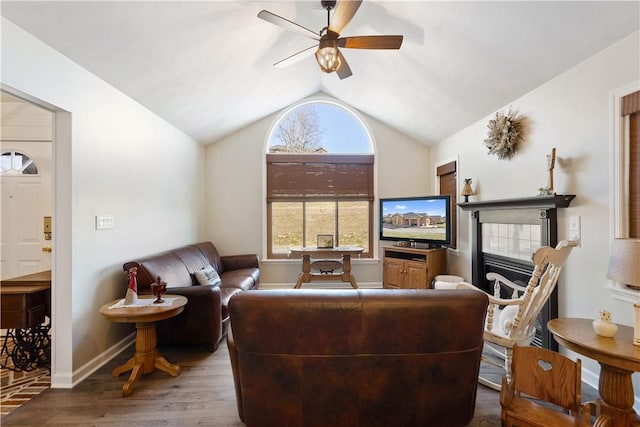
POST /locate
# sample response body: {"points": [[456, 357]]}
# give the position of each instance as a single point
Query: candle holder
{"points": [[158, 288]]}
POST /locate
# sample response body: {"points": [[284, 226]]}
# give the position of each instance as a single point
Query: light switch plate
{"points": [[574, 228], [105, 222]]}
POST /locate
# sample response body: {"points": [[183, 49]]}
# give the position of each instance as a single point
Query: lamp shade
{"points": [[624, 262], [466, 189]]}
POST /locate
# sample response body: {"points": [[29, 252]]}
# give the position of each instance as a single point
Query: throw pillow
{"points": [[208, 276], [506, 317]]}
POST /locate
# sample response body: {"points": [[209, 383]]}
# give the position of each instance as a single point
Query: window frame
{"points": [[367, 252], [619, 188], [315, 188]]}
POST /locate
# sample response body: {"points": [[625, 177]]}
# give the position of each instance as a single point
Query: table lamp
{"points": [[467, 190], [624, 267]]}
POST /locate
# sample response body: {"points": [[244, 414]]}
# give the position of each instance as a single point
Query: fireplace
{"points": [[504, 235]]}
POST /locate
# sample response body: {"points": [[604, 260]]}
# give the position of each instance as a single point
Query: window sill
{"points": [[622, 293]]}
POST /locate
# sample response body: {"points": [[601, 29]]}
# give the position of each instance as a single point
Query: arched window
{"points": [[320, 178], [16, 163]]}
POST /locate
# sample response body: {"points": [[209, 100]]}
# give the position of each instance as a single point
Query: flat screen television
{"points": [[422, 221]]}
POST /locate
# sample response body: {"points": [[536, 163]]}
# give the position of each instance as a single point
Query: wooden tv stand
{"points": [[406, 268]]}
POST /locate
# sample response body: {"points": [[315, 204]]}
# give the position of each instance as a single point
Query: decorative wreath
{"points": [[506, 132]]}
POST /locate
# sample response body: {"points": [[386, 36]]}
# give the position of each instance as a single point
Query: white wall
{"points": [[235, 192], [124, 161], [571, 113]]}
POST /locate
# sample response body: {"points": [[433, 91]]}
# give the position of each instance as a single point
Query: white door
{"points": [[26, 200]]}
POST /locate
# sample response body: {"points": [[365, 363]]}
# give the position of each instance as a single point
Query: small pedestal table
{"points": [[618, 359], [147, 357]]}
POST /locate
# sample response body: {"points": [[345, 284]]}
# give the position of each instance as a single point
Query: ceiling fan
{"points": [[327, 54]]}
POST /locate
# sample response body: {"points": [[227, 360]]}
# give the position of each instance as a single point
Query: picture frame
{"points": [[325, 241]]}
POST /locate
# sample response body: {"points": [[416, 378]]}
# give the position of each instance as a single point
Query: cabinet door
{"points": [[392, 273], [415, 277]]}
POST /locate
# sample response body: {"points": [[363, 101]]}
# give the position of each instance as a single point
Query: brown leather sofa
{"points": [[356, 357], [205, 319]]}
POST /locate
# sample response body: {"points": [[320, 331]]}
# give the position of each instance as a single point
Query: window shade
{"points": [[319, 176], [630, 103], [634, 175]]}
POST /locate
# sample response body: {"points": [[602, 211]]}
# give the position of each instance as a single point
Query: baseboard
{"points": [[79, 375]]}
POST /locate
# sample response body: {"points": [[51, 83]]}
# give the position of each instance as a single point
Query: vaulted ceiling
{"points": [[206, 66]]}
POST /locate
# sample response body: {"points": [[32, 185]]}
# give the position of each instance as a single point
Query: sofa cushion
{"points": [[208, 276], [505, 318], [225, 296], [192, 258], [168, 266], [211, 254], [245, 279]]}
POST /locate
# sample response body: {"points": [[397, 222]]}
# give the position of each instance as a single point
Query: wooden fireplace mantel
{"points": [[533, 202]]}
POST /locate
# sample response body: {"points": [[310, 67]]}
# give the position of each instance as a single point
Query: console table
{"points": [[618, 359], [343, 252], [25, 304]]}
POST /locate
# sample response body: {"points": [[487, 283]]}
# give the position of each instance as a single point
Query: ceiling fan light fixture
{"points": [[327, 55]]}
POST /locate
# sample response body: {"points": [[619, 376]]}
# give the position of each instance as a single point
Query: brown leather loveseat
{"points": [[205, 319], [356, 357]]}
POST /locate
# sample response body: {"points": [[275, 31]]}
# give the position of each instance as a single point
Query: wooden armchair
{"points": [[511, 321], [546, 376]]}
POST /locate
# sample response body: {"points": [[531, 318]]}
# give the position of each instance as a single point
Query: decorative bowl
{"points": [[604, 329]]}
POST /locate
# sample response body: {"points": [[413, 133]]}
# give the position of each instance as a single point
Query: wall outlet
{"points": [[574, 229], [105, 222]]}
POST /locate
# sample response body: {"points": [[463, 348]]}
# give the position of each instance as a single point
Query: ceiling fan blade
{"points": [[287, 25], [345, 9], [371, 42], [343, 71], [289, 60]]}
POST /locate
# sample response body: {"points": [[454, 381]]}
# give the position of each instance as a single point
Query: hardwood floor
{"points": [[17, 387], [202, 395]]}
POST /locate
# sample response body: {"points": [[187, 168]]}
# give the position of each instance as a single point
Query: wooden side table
{"points": [[618, 359], [146, 358]]}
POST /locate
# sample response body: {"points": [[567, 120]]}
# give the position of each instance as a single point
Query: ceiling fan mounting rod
{"points": [[328, 4]]}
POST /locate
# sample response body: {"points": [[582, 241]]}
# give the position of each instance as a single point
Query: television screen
{"points": [[423, 220]]}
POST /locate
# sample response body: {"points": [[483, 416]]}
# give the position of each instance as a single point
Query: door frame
{"points": [[62, 255], [456, 160]]}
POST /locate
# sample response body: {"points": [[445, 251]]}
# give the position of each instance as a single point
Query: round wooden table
{"points": [[146, 358], [618, 359]]}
